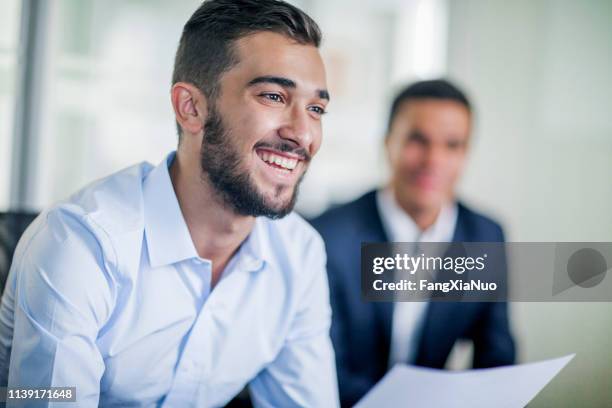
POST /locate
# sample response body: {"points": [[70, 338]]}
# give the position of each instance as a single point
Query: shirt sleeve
{"points": [[304, 373], [63, 295]]}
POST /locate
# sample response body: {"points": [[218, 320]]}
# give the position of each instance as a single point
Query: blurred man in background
{"points": [[426, 143]]}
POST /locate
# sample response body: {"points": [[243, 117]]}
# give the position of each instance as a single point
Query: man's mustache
{"points": [[285, 147]]}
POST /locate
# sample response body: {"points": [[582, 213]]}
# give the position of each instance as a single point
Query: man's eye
{"points": [[454, 145], [273, 97], [319, 110]]}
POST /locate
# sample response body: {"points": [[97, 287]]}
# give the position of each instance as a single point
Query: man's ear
{"points": [[387, 146], [189, 107]]}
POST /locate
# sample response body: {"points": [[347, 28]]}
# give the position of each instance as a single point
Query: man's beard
{"points": [[221, 163]]}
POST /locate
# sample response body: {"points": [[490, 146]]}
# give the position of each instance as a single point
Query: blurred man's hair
{"points": [[206, 49], [432, 89]]}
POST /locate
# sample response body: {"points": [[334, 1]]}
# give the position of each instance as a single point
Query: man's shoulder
{"points": [[113, 202], [484, 226], [98, 212], [347, 214]]}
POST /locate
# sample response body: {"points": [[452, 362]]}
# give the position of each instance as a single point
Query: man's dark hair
{"points": [[432, 89], [206, 49]]}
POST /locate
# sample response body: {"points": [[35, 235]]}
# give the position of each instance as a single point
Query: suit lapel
{"points": [[461, 227], [375, 232]]}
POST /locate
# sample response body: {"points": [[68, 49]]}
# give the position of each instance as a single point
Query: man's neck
{"points": [[215, 229], [423, 217]]}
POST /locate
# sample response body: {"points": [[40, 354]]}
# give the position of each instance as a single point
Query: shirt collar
{"points": [[254, 252], [166, 233], [399, 226]]}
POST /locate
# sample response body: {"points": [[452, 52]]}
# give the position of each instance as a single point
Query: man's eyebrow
{"points": [[269, 79], [285, 83]]}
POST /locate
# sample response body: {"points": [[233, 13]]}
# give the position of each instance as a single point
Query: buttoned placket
{"points": [[192, 372], [188, 375]]}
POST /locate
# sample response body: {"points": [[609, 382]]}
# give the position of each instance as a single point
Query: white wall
{"points": [[539, 73]]}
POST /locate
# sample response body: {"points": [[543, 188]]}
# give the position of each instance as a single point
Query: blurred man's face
{"points": [[426, 149], [265, 126]]}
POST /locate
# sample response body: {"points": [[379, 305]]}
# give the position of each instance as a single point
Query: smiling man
{"points": [[179, 284]]}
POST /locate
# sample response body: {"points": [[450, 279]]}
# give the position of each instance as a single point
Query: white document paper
{"points": [[504, 387]]}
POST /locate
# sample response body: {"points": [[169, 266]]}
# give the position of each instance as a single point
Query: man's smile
{"points": [[277, 159], [280, 166]]}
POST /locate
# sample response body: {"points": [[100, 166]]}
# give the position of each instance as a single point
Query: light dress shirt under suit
{"points": [[107, 293], [408, 316]]}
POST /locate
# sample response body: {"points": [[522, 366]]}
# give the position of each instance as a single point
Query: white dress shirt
{"points": [[107, 293], [399, 227]]}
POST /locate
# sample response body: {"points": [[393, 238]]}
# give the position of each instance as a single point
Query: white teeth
{"points": [[281, 161]]}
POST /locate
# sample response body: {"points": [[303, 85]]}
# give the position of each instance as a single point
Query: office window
{"points": [[107, 73], [10, 11]]}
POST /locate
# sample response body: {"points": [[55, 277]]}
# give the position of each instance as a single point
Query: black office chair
{"points": [[12, 226]]}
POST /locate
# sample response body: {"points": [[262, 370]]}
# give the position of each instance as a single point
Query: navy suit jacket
{"points": [[361, 331]]}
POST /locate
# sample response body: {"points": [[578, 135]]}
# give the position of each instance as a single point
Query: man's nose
{"points": [[434, 156], [296, 128]]}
